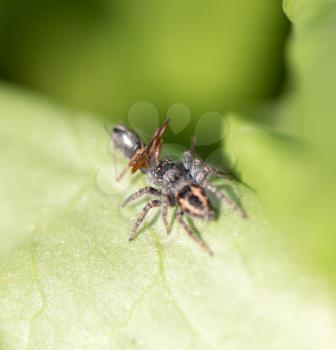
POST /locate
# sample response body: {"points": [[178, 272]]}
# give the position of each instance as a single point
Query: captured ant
{"points": [[178, 183]]}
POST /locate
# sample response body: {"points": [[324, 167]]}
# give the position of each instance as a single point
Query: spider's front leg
{"points": [[141, 217], [195, 168], [198, 170]]}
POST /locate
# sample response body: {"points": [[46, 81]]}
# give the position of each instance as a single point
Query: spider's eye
{"points": [[193, 200]]}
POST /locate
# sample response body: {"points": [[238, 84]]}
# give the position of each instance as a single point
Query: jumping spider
{"points": [[177, 183]]}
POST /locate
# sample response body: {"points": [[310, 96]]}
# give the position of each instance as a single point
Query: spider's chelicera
{"points": [[173, 182]]}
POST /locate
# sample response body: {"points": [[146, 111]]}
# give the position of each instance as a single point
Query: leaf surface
{"points": [[69, 278]]}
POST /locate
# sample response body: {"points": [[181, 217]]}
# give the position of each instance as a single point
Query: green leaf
{"points": [[69, 278]]}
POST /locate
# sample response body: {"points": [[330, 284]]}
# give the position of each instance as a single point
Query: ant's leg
{"points": [[141, 192], [122, 174], [142, 215], [222, 196], [192, 234]]}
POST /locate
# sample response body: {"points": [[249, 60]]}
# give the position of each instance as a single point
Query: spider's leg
{"points": [[195, 167], [192, 234], [188, 157], [141, 217], [145, 190], [222, 196], [192, 144], [165, 206], [211, 170]]}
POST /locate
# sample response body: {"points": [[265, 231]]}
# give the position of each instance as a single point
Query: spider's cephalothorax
{"points": [[177, 183]]}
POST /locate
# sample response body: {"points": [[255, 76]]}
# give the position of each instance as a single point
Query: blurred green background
{"points": [[105, 55]]}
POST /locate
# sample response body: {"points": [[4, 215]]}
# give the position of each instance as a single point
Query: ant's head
{"points": [[126, 140]]}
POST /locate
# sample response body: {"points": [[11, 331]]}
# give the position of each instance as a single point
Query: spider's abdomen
{"points": [[193, 200]]}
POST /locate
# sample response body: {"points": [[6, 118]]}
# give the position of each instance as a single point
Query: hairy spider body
{"points": [[177, 183], [170, 175]]}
